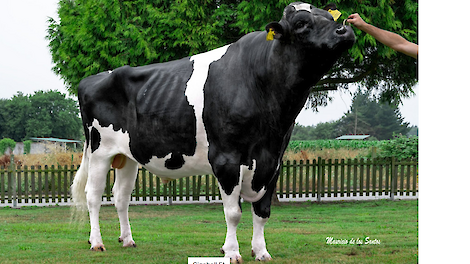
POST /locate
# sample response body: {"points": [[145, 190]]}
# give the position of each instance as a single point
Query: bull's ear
{"points": [[330, 6], [275, 31], [333, 11]]}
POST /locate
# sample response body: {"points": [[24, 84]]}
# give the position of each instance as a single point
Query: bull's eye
{"points": [[300, 24]]}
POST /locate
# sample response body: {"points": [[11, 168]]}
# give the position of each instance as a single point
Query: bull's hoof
{"points": [[236, 259], [234, 256], [263, 257], [98, 248], [130, 244]]}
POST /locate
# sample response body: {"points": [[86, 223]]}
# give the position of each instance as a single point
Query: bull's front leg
{"points": [[228, 173], [233, 214]]}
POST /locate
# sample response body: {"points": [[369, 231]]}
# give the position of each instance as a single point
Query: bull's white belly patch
{"points": [[114, 142]]}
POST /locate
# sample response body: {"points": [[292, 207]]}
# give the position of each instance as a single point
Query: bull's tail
{"points": [[79, 183]]}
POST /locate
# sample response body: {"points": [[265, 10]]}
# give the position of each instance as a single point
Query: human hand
{"points": [[356, 20]]}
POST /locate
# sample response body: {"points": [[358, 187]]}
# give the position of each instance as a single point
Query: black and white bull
{"points": [[227, 112]]}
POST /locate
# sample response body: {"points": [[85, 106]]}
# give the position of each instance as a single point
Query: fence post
{"points": [[13, 178], [170, 191], [319, 179], [392, 178]]}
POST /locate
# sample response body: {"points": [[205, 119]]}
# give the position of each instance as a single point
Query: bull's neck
{"points": [[288, 77]]}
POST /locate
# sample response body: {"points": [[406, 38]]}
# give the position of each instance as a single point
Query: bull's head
{"points": [[311, 28]]}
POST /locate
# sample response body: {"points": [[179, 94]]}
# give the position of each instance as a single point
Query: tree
{"points": [[413, 131], [301, 132], [367, 116], [95, 36], [52, 114], [14, 117], [44, 114], [326, 130]]}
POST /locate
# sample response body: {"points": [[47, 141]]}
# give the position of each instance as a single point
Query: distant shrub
{"points": [[298, 145], [401, 147], [5, 144], [27, 146]]}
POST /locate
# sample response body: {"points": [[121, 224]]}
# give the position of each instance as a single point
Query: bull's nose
{"points": [[341, 30]]}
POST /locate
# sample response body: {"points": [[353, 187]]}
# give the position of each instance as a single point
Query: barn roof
{"points": [[55, 140], [349, 137]]}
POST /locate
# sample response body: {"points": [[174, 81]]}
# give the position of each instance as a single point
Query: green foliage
{"points": [[325, 130], [6, 143], [27, 146], [14, 115], [95, 36], [43, 114], [298, 145], [401, 147]]}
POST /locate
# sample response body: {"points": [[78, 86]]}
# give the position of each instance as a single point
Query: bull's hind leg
{"points": [[123, 186], [97, 171]]}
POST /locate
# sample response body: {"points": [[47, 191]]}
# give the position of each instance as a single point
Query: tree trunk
{"points": [[274, 199]]}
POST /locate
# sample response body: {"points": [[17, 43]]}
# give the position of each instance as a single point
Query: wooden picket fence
{"points": [[26, 185], [347, 178]]}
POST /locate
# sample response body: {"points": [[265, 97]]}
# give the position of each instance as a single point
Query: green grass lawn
{"points": [[296, 233]]}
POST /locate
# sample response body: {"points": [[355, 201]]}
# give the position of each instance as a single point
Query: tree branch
{"points": [[372, 67], [347, 80]]}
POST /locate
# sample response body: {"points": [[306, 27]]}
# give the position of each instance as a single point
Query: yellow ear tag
{"points": [[335, 13], [270, 35]]}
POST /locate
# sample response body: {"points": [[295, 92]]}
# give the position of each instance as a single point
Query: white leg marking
{"points": [[125, 181], [98, 168], [233, 214], [258, 243]]}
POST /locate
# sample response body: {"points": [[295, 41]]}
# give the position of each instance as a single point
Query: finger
{"points": [[352, 16]]}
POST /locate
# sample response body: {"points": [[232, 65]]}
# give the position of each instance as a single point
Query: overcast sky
{"points": [[25, 63]]}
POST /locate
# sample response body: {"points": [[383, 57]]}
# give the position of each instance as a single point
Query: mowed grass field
{"points": [[295, 233]]}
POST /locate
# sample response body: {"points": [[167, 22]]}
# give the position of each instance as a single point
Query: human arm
{"points": [[387, 38]]}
